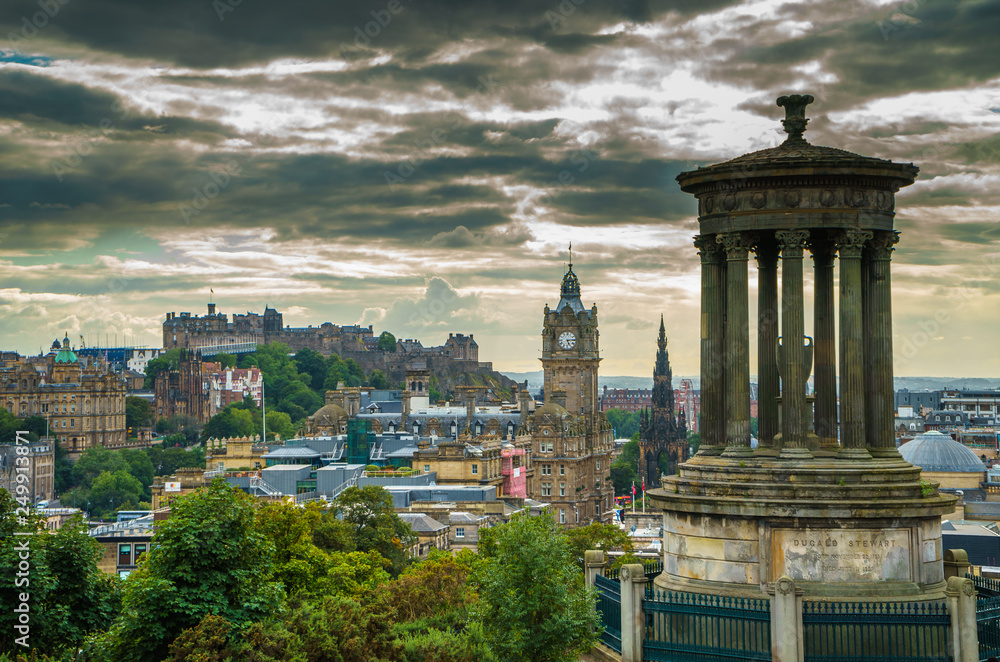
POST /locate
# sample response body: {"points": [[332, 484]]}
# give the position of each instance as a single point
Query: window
{"points": [[550, 447], [427, 468], [546, 469], [562, 516], [72, 422], [475, 469], [124, 554], [139, 551], [546, 489], [562, 469], [937, 417], [562, 489], [459, 531], [598, 465]]}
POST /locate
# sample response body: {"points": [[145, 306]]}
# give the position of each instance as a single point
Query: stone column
{"points": [[633, 584], [794, 371], [786, 621], [593, 560], [879, 392], [768, 385], [825, 345], [960, 596], [737, 346], [852, 395], [713, 306]]}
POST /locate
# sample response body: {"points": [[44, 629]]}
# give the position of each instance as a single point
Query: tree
{"points": [[374, 524], [625, 469], [386, 342], [138, 414], [624, 423], [225, 360], [232, 421], [377, 380], [552, 618], [599, 536], [115, 490], [96, 460], [280, 423], [167, 461], [70, 597], [207, 558], [312, 363]]}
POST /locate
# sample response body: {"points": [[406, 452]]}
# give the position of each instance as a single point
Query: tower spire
{"points": [[661, 342]]}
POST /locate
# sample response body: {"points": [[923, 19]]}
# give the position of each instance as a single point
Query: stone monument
{"points": [[824, 499]]}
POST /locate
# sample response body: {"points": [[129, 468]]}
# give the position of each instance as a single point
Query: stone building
{"points": [[84, 404], [626, 399], [36, 461], [184, 391], [571, 440]]}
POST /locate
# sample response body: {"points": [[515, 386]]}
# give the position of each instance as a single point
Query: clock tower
{"points": [[570, 355], [570, 438]]}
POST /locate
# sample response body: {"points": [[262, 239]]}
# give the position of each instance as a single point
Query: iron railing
{"points": [[987, 615], [609, 608], [693, 627], [875, 631]]}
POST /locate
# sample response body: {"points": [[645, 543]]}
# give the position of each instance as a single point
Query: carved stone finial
{"points": [[795, 115]]}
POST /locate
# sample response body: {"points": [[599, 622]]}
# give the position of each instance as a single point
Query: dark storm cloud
{"points": [[942, 45], [34, 99], [203, 34]]}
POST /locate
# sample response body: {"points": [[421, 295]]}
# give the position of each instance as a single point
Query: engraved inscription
{"points": [[841, 555]]}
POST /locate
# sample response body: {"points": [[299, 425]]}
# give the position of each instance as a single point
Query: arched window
{"points": [[479, 428], [454, 428], [510, 429], [392, 427], [937, 417]]}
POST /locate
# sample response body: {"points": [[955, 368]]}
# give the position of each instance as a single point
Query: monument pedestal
{"points": [[838, 529]]}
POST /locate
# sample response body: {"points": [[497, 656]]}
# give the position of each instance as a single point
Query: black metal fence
{"points": [[609, 607], [692, 627], [987, 616], [875, 631]]}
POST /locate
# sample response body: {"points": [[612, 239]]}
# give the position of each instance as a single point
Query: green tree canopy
{"points": [[70, 597], [207, 558], [533, 604], [113, 491], [374, 524], [624, 423], [377, 380], [225, 360], [233, 421], [386, 342]]}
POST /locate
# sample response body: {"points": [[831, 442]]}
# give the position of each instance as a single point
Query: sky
{"points": [[423, 165]]}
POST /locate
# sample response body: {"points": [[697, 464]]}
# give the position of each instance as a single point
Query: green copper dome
{"points": [[66, 355]]}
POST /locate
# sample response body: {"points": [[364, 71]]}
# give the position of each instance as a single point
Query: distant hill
{"points": [[535, 380], [911, 383]]}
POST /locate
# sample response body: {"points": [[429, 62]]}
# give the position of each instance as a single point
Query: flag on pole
{"points": [[633, 497]]}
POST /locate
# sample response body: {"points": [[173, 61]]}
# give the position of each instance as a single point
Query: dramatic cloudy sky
{"points": [[428, 176]]}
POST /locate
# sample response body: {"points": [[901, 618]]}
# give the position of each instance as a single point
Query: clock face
{"points": [[567, 340]]}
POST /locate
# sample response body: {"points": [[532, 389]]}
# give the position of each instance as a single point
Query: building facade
{"points": [[571, 440], [626, 399], [84, 403], [36, 461]]}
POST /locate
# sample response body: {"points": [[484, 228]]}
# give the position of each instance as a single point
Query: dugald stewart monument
{"points": [[824, 499]]}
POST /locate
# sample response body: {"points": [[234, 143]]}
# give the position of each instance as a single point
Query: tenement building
{"points": [[824, 502], [84, 404], [570, 437]]}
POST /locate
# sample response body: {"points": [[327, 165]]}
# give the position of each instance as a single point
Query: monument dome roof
{"points": [[334, 411], [796, 156], [933, 451], [552, 409]]}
